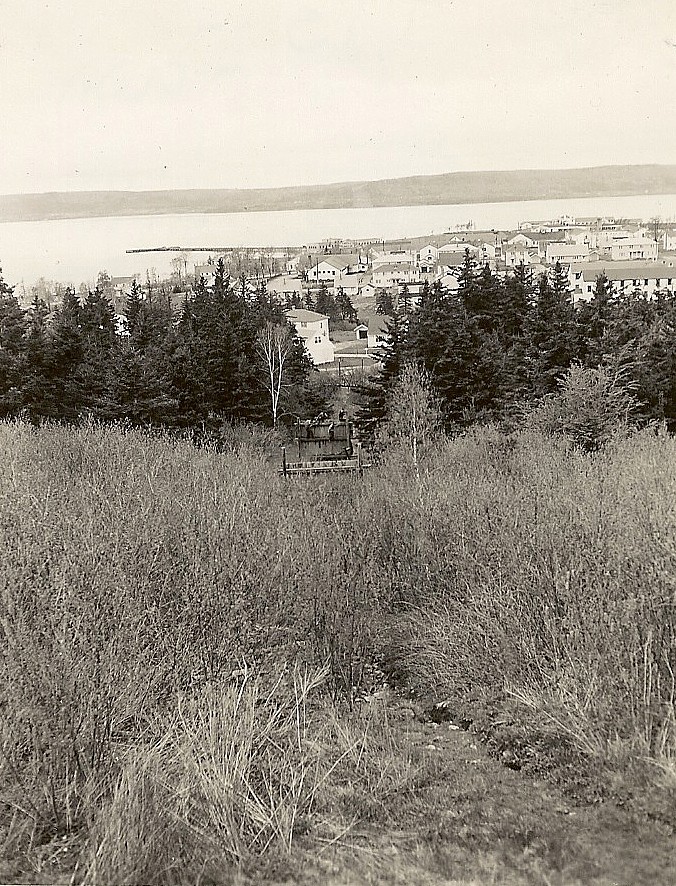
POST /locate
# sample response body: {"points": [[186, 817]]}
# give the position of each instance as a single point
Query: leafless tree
{"points": [[273, 345]]}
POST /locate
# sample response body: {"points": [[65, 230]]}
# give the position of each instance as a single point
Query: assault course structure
{"points": [[322, 446]]}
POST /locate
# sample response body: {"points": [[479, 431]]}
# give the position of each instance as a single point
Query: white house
{"points": [[395, 257], [313, 328], [566, 253], [377, 335], [329, 268], [350, 284], [394, 275], [519, 253], [632, 248], [522, 240], [488, 251], [291, 264], [646, 277]]}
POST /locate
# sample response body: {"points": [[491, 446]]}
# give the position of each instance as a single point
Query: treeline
{"points": [[495, 346], [202, 365]]}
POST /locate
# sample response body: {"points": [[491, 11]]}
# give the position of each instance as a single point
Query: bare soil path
{"points": [[465, 818]]}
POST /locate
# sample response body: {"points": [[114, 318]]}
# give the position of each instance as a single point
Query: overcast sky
{"points": [[219, 93]]}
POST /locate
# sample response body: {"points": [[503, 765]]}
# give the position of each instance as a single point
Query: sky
{"points": [[263, 93]]}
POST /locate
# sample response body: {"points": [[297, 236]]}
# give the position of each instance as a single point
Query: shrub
{"points": [[591, 407]]}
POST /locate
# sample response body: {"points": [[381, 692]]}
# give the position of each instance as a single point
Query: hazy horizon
{"points": [[343, 182], [248, 95]]}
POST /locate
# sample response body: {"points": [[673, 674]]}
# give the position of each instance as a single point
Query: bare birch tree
{"points": [[413, 415], [274, 344]]}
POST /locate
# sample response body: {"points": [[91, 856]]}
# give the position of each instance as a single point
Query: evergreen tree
{"points": [[404, 300], [38, 386], [374, 395], [594, 317], [384, 303], [12, 330], [345, 306], [134, 306], [553, 336], [138, 391], [66, 348], [326, 304], [98, 327]]}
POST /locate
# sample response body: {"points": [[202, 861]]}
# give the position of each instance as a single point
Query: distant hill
{"points": [[450, 188]]}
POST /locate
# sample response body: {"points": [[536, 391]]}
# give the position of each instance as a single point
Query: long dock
{"points": [[182, 249], [212, 249]]}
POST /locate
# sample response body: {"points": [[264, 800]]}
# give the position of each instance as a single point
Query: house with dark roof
{"points": [[377, 335], [626, 277], [330, 268]]}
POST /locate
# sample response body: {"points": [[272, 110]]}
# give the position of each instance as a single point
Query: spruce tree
{"points": [[38, 385], [13, 326], [593, 318], [67, 349], [553, 341], [374, 395]]}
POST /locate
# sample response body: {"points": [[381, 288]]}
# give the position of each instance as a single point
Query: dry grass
{"points": [[550, 574], [159, 605]]}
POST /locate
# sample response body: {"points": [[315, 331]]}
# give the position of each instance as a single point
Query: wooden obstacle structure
{"points": [[323, 446]]}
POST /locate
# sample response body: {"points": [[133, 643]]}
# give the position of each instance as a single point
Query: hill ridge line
{"points": [[453, 188]]}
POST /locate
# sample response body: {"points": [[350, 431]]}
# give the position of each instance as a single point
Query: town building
{"points": [[377, 335], [393, 257], [330, 268], [313, 329], [643, 277], [394, 275], [566, 253]]}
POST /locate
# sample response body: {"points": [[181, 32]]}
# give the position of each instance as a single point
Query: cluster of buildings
{"points": [[633, 255], [627, 250]]}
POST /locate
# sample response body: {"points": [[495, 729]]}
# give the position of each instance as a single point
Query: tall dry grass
{"points": [[153, 595], [551, 572], [138, 569]]}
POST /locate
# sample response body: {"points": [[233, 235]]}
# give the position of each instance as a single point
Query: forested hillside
{"points": [[491, 351], [418, 190], [496, 347]]}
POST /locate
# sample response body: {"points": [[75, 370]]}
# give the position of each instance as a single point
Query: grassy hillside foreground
{"points": [[192, 656]]}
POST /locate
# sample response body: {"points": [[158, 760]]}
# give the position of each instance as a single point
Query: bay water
{"points": [[76, 250]]}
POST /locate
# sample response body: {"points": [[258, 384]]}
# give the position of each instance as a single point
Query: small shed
{"points": [[361, 331]]}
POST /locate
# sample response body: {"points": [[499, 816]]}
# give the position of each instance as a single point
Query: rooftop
{"points": [[304, 316]]}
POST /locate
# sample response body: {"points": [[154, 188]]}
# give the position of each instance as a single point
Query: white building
{"points": [[330, 268], [522, 240], [632, 248], [427, 256], [313, 328], [518, 253], [377, 336], [395, 257], [566, 253], [394, 275], [644, 277]]}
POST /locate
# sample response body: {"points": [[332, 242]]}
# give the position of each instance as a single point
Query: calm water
{"points": [[72, 251]]}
